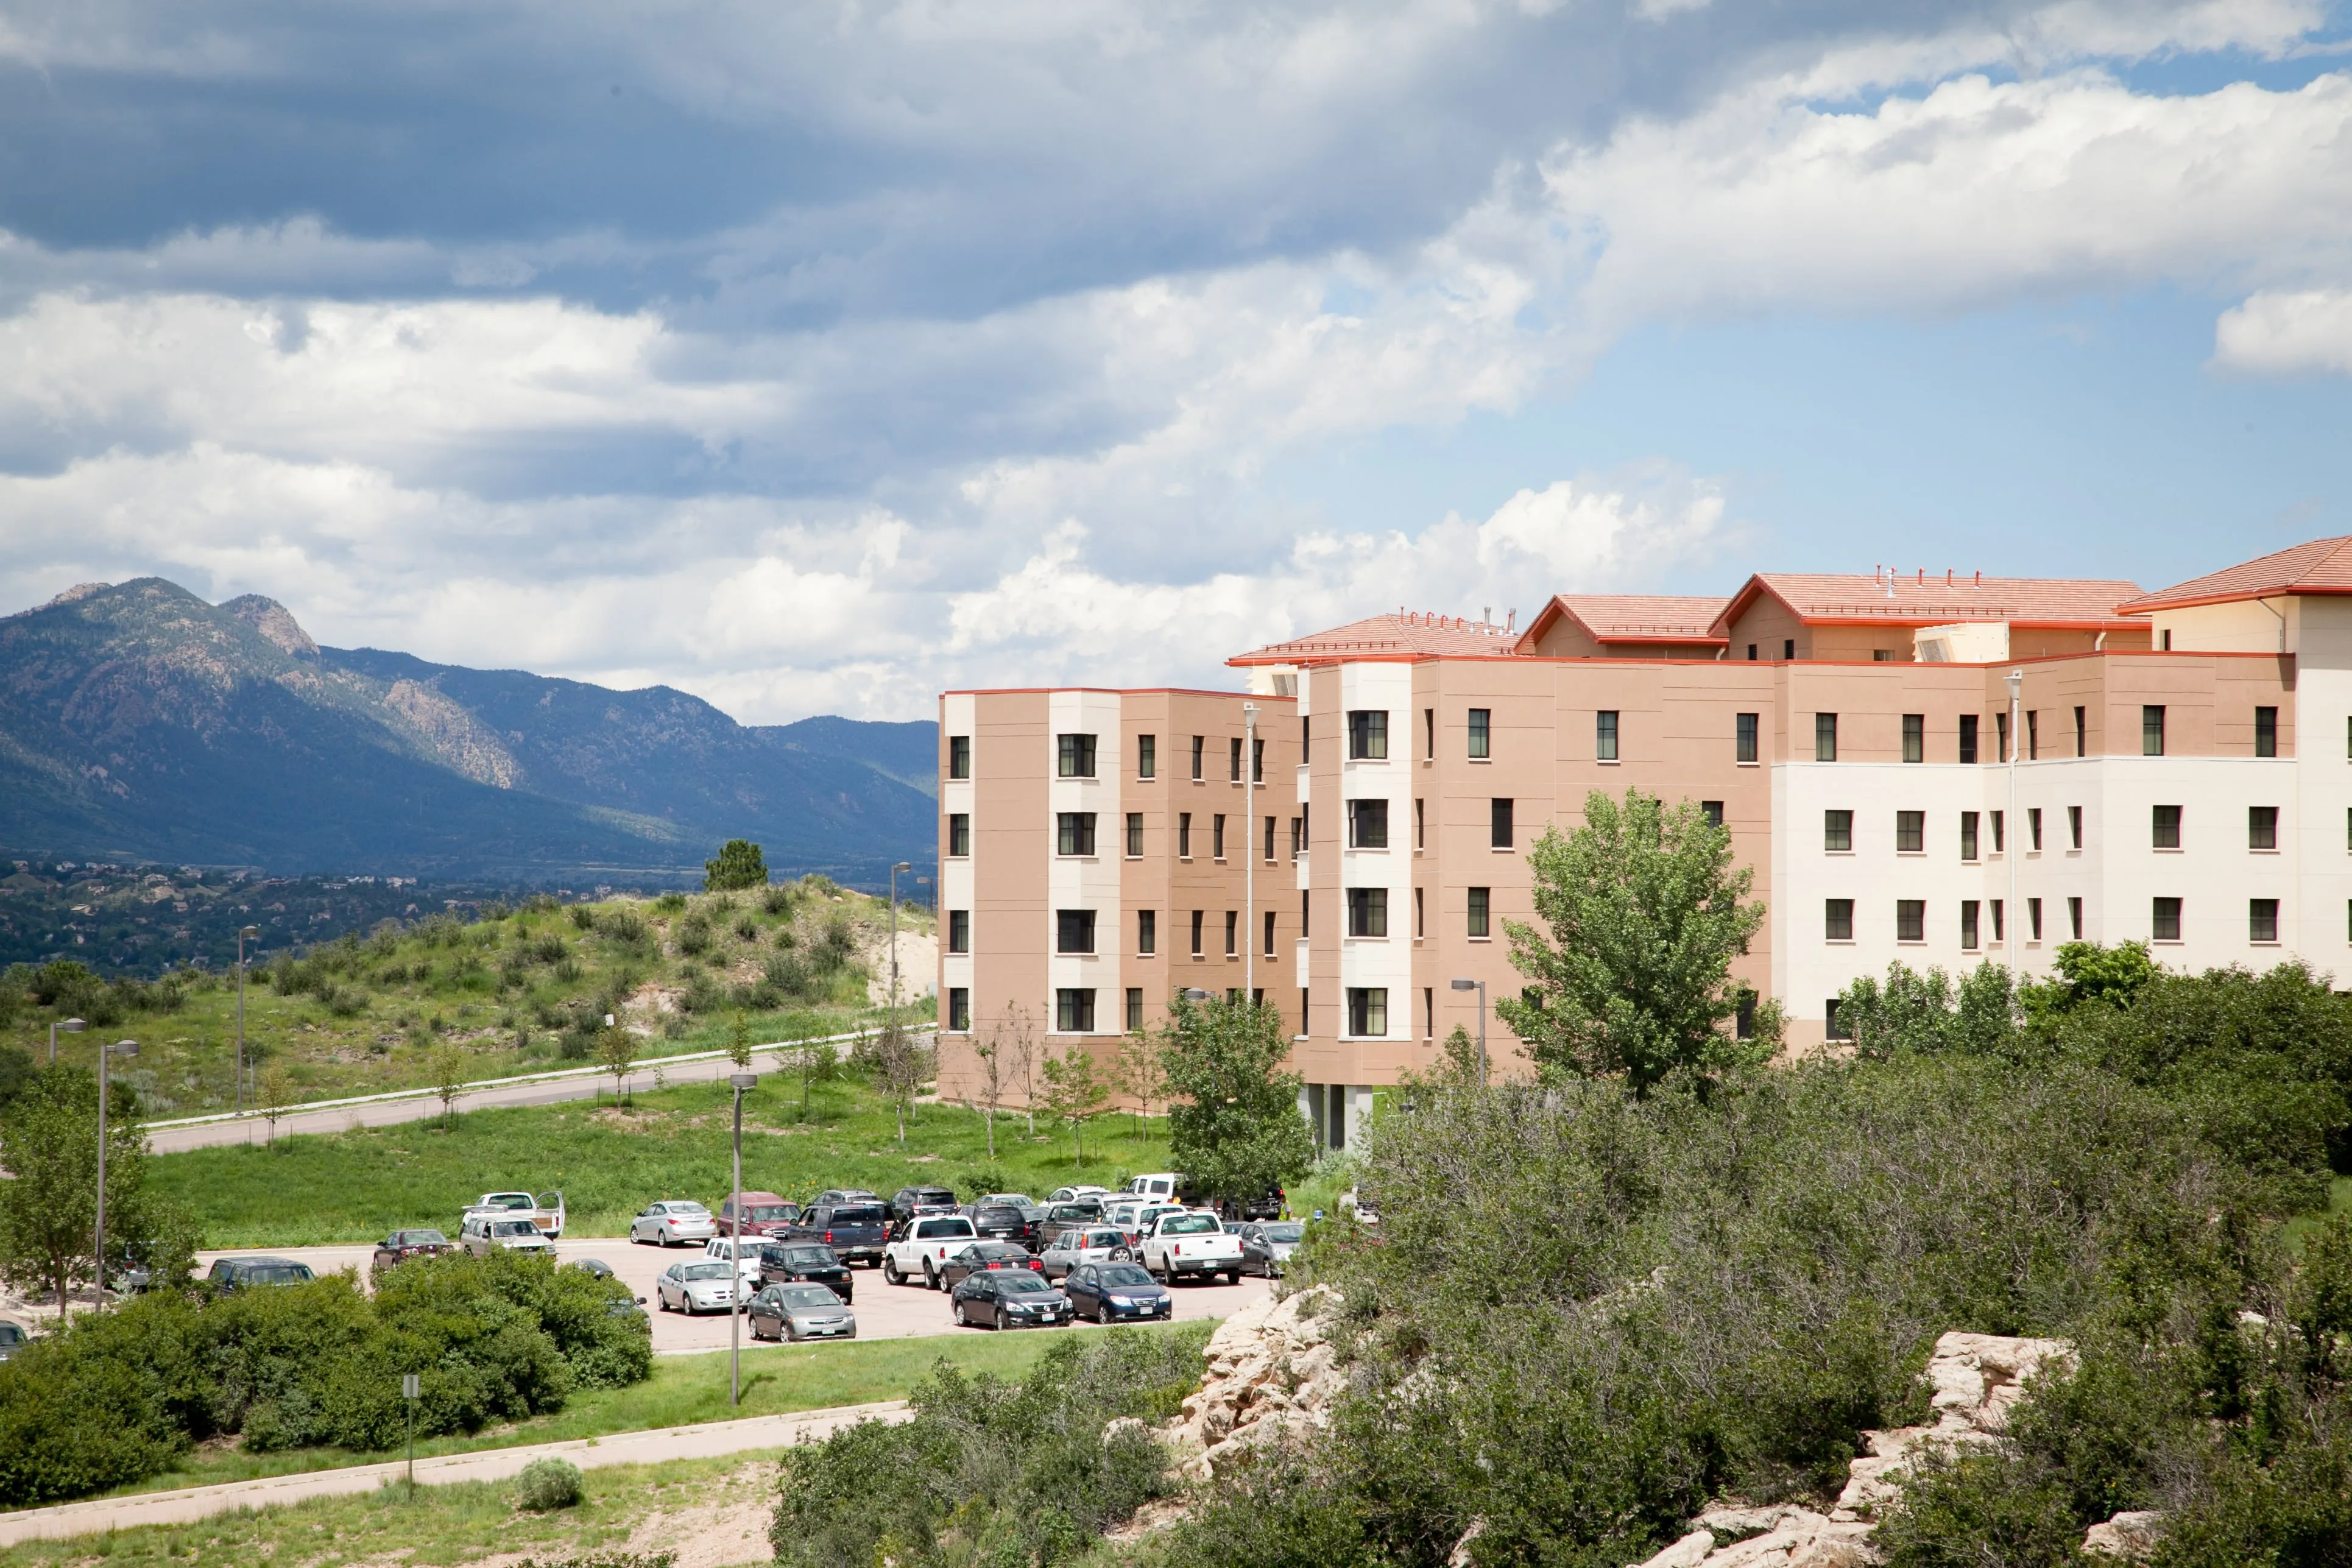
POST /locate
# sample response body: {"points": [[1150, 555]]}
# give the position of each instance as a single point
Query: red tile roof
{"points": [[2322, 566], [1917, 600], [1631, 617], [1405, 633]]}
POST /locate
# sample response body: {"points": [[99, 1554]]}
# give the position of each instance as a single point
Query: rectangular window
{"points": [[2033, 918], [1420, 921], [1478, 907], [2166, 828], [2266, 731], [1368, 1012], [1910, 832], [1077, 758], [2151, 730], [1996, 921], [1233, 933], [1429, 1012], [1302, 1012], [1833, 1022], [2261, 919], [1147, 756], [1257, 762], [1269, 933], [2033, 734], [2001, 737], [1743, 1016], [959, 1010], [1479, 740], [1751, 653], [1368, 734], [1234, 776], [1713, 810], [1134, 835], [2262, 827], [1420, 824], [1910, 920], [1074, 930], [1788, 647], [1882, 656], [1073, 1010], [1604, 735], [1183, 836], [1269, 841], [1134, 1009], [1743, 732], [960, 833], [1147, 932], [1999, 837], [1837, 831], [1825, 737], [2075, 825], [1304, 898], [1305, 742], [1837, 919], [2074, 917], [1217, 837], [1968, 737], [2033, 827], [1914, 737], [959, 756], [1968, 836], [2165, 919], [1200, 746], [1967, 925], [2082, 735], [1429, 733], [959, 930], [1197, 915], [1298, 836], [1368, 824], [1367, 911], [1076, 832], [1498, 824]]}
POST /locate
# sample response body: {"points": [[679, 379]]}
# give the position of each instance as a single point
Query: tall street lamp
{"points": [[740, 1081], [120, 1048], [1480, 987], [71, 1025], [244, 932]]}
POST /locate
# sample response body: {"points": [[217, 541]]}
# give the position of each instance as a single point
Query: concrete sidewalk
{"points": [[709, 1441]]}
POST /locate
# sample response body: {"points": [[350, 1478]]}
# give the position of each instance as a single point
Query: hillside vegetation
{"points": [[508, 991]]}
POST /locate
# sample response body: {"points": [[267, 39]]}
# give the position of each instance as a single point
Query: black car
{"points": [[1268, 1205], [854, 1230], [804, 1263], [903, 1202], [1028, 1207], [246, 1273], [1076, 1215], [1002, 1221], [1116, 1292], [1009, 1298], [984, 1256]]}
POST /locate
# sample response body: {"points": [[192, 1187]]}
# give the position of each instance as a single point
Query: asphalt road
{"points": [[884, 1311]]}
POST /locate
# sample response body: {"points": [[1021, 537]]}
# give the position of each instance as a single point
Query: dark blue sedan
{"points": [[1116, 1292]]}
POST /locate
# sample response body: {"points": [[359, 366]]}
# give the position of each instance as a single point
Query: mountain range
{"points": [[139, 721]]}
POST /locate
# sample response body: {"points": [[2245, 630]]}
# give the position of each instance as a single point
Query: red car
{"points": [[403, 1245], [764, 1214]]}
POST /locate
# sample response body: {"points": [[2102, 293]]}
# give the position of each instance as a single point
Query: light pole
{"points": [[741, 1081], [120, 1048], [243, 933], [2008, 823], [1480, 987], [72, 1027], [1249, 852]]}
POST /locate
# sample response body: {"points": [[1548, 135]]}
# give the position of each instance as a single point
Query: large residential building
{"points": [[1938, 771]]}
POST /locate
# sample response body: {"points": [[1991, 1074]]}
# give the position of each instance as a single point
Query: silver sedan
{"points": [[799, 1312], [692, 1288], [673, 1223]]}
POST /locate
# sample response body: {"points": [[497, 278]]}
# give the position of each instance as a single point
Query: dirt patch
{"points": [[727, 1524]]}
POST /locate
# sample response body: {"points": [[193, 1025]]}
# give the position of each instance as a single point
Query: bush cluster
{"points": [[115, 1397], [993, 1472], [69, 986]]}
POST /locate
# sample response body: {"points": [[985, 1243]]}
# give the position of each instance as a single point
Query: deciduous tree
{"points": [[1074, 1091], [1234, 1126], [616, 1053], [451, 1071], [48, 1212]]}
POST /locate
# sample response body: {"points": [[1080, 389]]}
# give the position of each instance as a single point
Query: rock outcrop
{"points": [[1271, 1370]]}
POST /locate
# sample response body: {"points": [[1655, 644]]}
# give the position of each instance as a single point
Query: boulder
{"points": [[2131, 1535]]}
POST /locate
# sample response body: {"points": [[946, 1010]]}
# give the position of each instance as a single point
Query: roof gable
{"points": [[1818, 598], [1406, 633], [2319, 566]]}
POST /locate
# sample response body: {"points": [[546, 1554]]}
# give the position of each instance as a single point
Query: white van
{"points": [[1162, 1185]]}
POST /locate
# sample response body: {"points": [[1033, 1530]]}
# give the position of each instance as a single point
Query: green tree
{"points": [[1646, 913], [818, 1064], [616, 1053], [739, 1041], [1074, 1091], [273, 1094], [451, 1071], [739, 866], [48, 1212], [2088, 973], [1233, 1127], [1916, 1012], [1136, 1072], [901, 1066]]}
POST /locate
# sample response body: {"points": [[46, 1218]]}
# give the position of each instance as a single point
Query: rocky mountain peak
{"points": [[275, 622]]}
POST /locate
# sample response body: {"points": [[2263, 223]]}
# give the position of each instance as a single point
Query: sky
{"points": [[817, 358]]}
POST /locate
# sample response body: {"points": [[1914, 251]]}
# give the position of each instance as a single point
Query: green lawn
{"points": [[684, 1390], [611, 1162]]}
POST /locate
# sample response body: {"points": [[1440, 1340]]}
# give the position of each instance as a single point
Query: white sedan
{"points": [[701, 1287], [673, 1223]]}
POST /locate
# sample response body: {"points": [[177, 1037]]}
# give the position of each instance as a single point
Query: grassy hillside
{"points": [[513, 990]]}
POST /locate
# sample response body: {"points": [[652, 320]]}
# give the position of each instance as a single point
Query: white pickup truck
{"points": [[545, 1211], [1191, 1241], [926, 1244]]}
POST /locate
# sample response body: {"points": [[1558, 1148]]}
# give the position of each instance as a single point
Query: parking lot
{"points": [[884, 1311]]}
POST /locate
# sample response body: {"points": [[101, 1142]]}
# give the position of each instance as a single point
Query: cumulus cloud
{"points": [[2287, 334]]}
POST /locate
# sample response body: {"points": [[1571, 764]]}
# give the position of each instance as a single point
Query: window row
{"points": [[1915, 735], [1911, 919], [1911, 829], [1074, 757], [1074, 1008]]}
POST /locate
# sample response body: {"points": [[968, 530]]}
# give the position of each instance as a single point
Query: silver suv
{"points": [[485, 1234]]}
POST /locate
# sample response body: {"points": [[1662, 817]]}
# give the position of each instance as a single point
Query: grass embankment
{"points": [[682, 1392], [514, 990], [724, 1498], [611, 1160]]}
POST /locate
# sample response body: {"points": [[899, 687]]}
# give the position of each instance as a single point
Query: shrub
{"points": [[694, 934], [777, 900], [548, 1483], [670, 903], [625, 926], [444, 930], [747, 929], [584, 918]]}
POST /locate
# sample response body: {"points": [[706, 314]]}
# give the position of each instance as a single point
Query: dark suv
{"points": [[245, 1273], [903, 1202], [1002, 1221], [854, 1230], [804, 1262]]}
